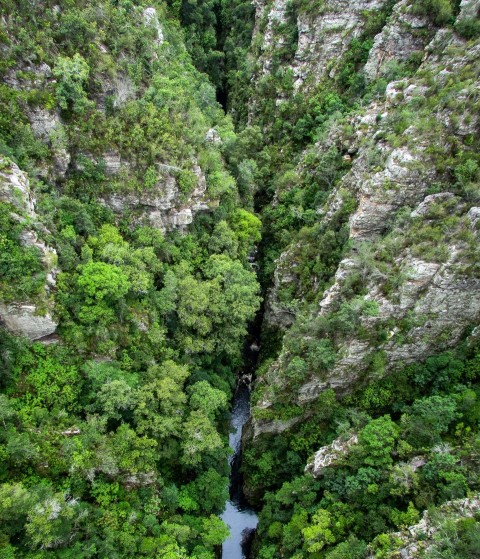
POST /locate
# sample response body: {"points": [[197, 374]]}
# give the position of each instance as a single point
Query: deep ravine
{"points": [[240, 518], [239, 515]]}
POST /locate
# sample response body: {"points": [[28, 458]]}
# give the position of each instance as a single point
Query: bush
{"points": [[440, 11], [21, 269], [468, 28], [72, 74], [428, 419], [187, 181]]}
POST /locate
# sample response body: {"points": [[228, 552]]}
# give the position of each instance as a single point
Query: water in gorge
{"points": [[240, 518]]}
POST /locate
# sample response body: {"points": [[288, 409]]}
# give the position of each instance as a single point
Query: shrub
{"points": [[21, 270], [440, 11], [72, 74], [187, 181], [468, 28]]}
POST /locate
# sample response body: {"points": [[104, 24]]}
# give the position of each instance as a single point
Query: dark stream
{"points": [[240, 518]]}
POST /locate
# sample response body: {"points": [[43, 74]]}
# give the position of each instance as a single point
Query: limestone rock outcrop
{"points": [[323, 36], [399, 186], [151, 18], [405, 35], [413, 542], [32, 319], [23, 319], [330, 455], [278, 313], [163, 207]]}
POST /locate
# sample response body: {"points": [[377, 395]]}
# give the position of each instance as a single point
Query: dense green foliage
{"points": [[114, 439], [21, 272], [422, 411], [428, 411], [218, 35]]}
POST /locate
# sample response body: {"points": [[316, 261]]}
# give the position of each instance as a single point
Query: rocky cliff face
{"points": [[435, 533], [141, 142], [405, 35], [322, 41], [32, 319], [321, 34], [165, 204], [330, 455], [278, 313], [421, 287]]}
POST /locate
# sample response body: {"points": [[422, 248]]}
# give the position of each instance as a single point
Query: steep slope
{"points": [[368, 178], [121, 327], [28, 263], [114, 109], [127, 234], [452, 528], [413, 226]]}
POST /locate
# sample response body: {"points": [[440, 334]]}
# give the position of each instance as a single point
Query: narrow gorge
{"points": [[239, 515], [239, 279]]}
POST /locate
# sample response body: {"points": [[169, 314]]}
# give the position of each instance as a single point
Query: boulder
{"points": [[22, 319], [330, 455]]}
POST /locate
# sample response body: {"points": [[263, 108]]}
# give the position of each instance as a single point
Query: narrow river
{"points": [[240, 518]]}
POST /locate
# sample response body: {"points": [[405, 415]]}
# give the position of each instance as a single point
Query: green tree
{"points": [[114, 399], [441, 11], [199, 438], [209, 491], [234, 303], [353, 548], [223, 240], [427, 419], [319, 533], [205, 398], [195, 313], [100, 286], [54, 521], [214, 531], [15, 503], [161, 401], [377, 440], [20, 449], [247, 228], [72, 74], [48, 381], [21, 272]]}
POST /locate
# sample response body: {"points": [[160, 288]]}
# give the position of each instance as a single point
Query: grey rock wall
{"points": [[416, 540], [404, 35], [32, 319], [437, 298], [162, 207]]}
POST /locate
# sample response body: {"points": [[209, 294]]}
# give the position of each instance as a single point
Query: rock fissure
{"points": [[351, 129]]}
